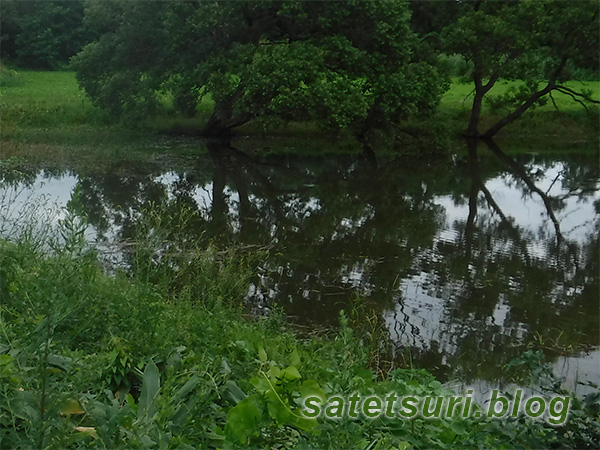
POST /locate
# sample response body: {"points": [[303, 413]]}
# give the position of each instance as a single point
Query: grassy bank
{"points": [[49, 107], [570, 122], [163, 357]]}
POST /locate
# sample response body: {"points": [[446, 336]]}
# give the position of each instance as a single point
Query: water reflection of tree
{"points": [[339, 226], [493, 263]]}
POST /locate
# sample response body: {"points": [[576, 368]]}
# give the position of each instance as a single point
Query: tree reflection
{"points": [[440, 253], [506, 284]]}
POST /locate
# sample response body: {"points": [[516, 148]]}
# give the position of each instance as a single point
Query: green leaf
{"points": [[295, 358], [436, 385], [71, 406], [62, 362], [233, 394], [150, 388], [147, 442], [242, 421], [274, 373], [277, 410], [306, 424], [262, 354], [187, 388], [217, 438], [310, 388], [260, 383], [291, 373], [225, 369], [458, 427]]}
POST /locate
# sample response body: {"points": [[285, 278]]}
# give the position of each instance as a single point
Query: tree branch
{"points": [[574, 95], [491, 132], [517, 169], [567, 90], [490, 84], [553, 102]]}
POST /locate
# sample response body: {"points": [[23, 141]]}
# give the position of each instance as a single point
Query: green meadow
{"points": [[50, 107]]}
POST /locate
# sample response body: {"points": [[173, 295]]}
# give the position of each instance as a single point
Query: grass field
{"points": [[460, 96], [570, 123], [42, 99], [50, 107]]}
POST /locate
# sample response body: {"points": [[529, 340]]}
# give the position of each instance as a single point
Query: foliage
{"points": [[88, 359], [430, 17], [43, 34], [583, 426], [540, 43], [9, 26], [346, 65]]}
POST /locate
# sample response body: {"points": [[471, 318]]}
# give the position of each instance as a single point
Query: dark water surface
{"points": [[466, 262]]}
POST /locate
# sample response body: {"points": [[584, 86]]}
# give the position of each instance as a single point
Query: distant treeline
{"points": [[45, 34], [42, 34]]}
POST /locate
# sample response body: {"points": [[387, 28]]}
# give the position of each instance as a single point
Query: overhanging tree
{"points": [[353, 65], [542, 43]]}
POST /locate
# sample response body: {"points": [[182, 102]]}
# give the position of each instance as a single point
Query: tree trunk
{"points": [[216, 127], [473, 128], [223, 118], [518, 170], [220, 125], [480, 91], [368, 153], [473, 194]]}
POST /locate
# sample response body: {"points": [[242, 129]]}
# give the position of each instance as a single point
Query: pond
{"points": [[465, 262]]}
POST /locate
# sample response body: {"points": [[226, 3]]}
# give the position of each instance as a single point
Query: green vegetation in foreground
{"points": [[49, 108], [163, 358]]}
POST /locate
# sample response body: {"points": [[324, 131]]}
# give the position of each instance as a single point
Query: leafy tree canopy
{"points": [[9, 26], [350, 64], [42, 34], [542, 43]]}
